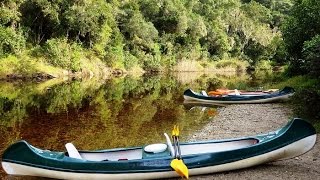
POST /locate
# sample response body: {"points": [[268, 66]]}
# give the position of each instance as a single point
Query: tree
{"points": [[12, 40], [78, 20], [168, 16], [311, 54], [302, 25], [41, 19], [84, 20], [9, 12]]}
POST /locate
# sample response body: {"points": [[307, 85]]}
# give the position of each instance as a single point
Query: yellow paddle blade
{"points": [[177, 131], [174, 130], [180, 168]]}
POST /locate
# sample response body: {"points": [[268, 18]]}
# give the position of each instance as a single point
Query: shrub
{"points": [[239, 66], [311, 54], [130, 60], [306, 103], [151, 63], [11, 41], [7, 65], [264, 65], [62, 54]]}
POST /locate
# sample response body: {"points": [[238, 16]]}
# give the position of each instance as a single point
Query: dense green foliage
{"points": [[62, 54], [11, 41], [311, 55], [300, 35], [154, 35]]}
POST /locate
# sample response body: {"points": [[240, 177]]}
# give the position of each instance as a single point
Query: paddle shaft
{"points": [[178, 146], [175, 146], [175, 137]]}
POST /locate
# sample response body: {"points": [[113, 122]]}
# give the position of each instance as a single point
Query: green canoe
{"points": [[276, 96], [153, 161]]}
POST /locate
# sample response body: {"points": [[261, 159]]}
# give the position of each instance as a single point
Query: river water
{"points": [[117, 112]]}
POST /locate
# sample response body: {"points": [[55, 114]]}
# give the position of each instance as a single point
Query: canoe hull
{"points": [[289, 151], [267, 100], [282, 95]]}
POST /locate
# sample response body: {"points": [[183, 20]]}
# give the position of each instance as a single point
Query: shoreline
{"points": [[250, 119]]}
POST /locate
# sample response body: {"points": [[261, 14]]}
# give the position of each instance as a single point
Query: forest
{"points": [[153, 35], [158, 35]]}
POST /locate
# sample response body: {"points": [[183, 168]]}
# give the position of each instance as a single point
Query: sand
{"points": [[250, 119]]}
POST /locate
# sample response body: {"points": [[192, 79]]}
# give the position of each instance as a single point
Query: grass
{"points": [[221, 66], [7, 65], [305, 102], [299, 83], [26, 66], [188, 66], [233, 64]]}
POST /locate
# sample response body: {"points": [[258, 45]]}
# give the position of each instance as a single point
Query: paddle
{"points": [[177, 141], [219, 92], [177, 164]]}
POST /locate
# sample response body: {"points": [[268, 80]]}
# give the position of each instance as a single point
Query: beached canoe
{"points": [[153, 161], [280, 95]]}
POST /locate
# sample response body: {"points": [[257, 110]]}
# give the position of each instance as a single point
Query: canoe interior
{"points": [[240, 94], [186, 149]]}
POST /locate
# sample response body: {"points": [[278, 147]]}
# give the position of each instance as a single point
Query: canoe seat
{"points": [[204, 93], [236, 92], [155, 148], [72, 151]]}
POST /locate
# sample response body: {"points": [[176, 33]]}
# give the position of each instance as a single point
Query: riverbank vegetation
{"points": [[152, 35], [94, 37]]}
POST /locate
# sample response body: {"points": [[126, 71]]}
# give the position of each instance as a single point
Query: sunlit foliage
{"points": [[154, 35]]}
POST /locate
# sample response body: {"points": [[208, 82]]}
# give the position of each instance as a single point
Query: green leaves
{"points": [[62, 54], [11, 41], [86, 18], [9, 12], [311, 54], [150, 33], [303, 25]]}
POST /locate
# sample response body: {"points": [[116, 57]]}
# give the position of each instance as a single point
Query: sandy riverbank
{"points": [[243, 120]]}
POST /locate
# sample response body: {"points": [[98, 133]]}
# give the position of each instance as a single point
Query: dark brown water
{"points": [[98, 114]]}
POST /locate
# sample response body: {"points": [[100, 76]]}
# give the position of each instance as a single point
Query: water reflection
{"points": [[97, 114], [201, 111]]}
